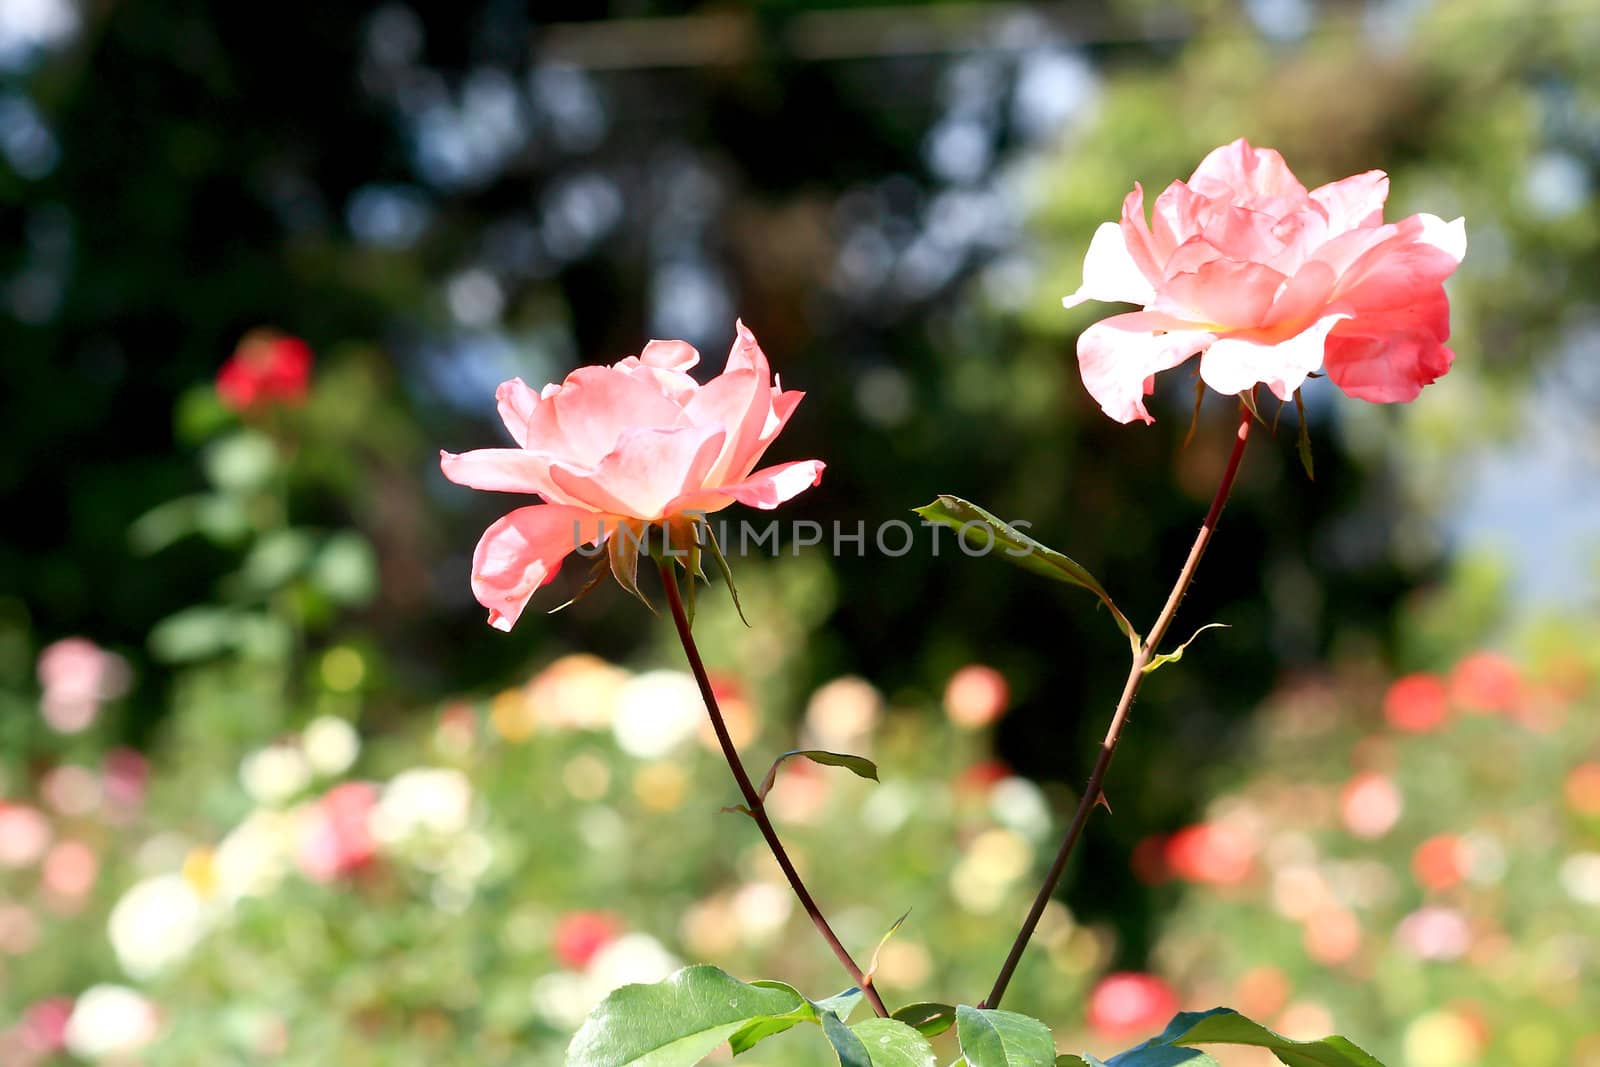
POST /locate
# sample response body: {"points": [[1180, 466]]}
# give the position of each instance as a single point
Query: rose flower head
{"points": [[616, 450], [267, 368], [1270, 282]]}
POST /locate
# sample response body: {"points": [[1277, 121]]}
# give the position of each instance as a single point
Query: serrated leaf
{"points": [[991, 1037], [852, 1052], [1159, 1056], [1176, 654], [892, 1043], [1221, 1026], [676, 1022], [841, 1004], [860, 766], [927, 1018], [1303, 445], [1023, 550], [1067, 1059], [727, 572]]}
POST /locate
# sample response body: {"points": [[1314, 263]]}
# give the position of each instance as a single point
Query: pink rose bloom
{"points": [[1270, 282], [77, 676], [336, 840], [637, 442]]}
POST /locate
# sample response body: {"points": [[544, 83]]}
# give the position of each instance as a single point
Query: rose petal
{"points": [[1119, 357], [647, 470], [517, 404], [1387, 357], [765, 489], [1235, 364], [523, 551], [1110, 272]]}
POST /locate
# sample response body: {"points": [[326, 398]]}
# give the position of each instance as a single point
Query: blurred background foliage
{"points": [[894, 196]]}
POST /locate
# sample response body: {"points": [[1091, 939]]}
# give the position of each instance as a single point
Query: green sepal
{"points": [[597, 574], [622, 550], [727, 572], [1303, 444]]}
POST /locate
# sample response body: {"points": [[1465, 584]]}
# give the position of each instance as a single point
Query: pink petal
{"points": [[1353, 202], [1120, 356], [746, 353], [1387, 357], [517, 404], [647, 470], [501, 470], [1236, 364], [1421, 253], [1237, 171], [669, 355], [739, 402], [1175, 218], [1231, 294], [765, 489], [523, 551], [1110, 272], [1136, 234], [593, 408]]}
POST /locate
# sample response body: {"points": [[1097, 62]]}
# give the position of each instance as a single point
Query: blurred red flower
{"points": [[580, 935], [44, 1025], [1416, 703], [1130, 1004], [267, 368], [1439, 863], [1486, 681], [1210, 853], [336, 840]]}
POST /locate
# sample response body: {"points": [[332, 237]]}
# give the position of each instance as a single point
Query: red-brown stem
{"points": [[1130, 689], [758, 810]]}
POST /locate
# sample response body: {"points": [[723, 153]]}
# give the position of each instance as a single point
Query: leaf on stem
{"points": [[1176, 654], [676, 1022], [927, 1018], [1024, 551], [845, 1041], [892, 1043], [993, 1038], [860, 766]]}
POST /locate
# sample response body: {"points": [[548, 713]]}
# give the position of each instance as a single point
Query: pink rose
{"points": [[636, 442], [1271, 283]]}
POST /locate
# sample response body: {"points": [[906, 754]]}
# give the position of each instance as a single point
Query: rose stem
{"points": [[758, 810], [1130, 689]]}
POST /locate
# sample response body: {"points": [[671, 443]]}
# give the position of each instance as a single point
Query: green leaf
{"points": [[860, 766], [852, 1053], [242, 462], [163, 525], [727, 572], [275, 558], [676, 1022], [749, 1036], [1159, 1056], [841, 1004], [1174, 656], [994, 1038], [1023, 550], [892, 1043], [1303, 445], [927, 1018], [1225, 1026], [193, 633], [346, 569]]}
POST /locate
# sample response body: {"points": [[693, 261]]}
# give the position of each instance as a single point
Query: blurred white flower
{"points": [[1435, 933], [1019, 805], [1580, 877], [842, 713], [656, 712], [110, 1020], [275, 774], [630, 958], [157, 923], [992, 864], [761, 909], [562, 999], [433, 800], [255, 855], [331, 745]]}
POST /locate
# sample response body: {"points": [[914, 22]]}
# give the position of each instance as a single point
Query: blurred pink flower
{"points": [[1370, 805], [580, 935], [44, 1025], [70, 870], [1486, 681], [1434, 933], [25, 833], [335, 840], [976, 696], [77, 677], [123, 777], [1271, 282], [1129, 1004], [267, 368], [633, 443]]}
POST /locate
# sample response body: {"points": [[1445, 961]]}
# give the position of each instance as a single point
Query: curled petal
{"points": [[1354, 201], [1110, 271], [1237, 363], [1387, 357], [1421, 252], [765, 489], [523, 551], [517, 404], [594, 407], [1120, 356], [501, 470], [1237, 170], [669, 355], [739, 401]]}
